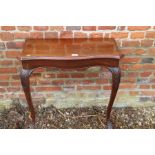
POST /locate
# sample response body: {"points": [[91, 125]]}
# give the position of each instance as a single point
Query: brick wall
{"points": [[77, 87]]}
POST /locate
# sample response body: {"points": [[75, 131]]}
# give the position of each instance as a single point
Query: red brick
{"points": [[15, 45], [128, 80], [127, 86], [15, 83], [106, 27], [150, 34], [102, 81], [130, 60], [39, 70], [24, 28], [13, 54], [77, 75], [44, 82], [133, 74], [19, 35], [8, 28], [58, 82], [125, 67], [145, 74], [136, 67], [36, 35], [40, 89], [88, 87], [78, 69], [134, 93], [126, 51], [72, 82], [87, 81], [8, 70], [130, 43], [57, 28], [146, 43], [51, 35], [119, 35], [121, 93], [89, 28], [66, 34], [153, 86], [6, 62], [148, 93], [138, 28], [4, 77], [92, 75], [149, 66], [62, 75], [144, 87], [16, 77], [6, 36], [68, 88], [2, 96], [96, 35], [139, 51], [41, 28], [2, 90], [13, 89], [151, 51], [80, 35], [137, 35], [4, 83], [106, 87]]}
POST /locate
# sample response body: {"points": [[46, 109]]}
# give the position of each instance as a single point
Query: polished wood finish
{"points": [[70, 48], [70, 53]]}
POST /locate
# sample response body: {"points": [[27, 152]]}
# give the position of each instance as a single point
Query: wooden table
{"points": [[70, 54]]}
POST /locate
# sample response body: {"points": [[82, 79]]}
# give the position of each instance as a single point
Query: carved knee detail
{"points": [[25, 74]]}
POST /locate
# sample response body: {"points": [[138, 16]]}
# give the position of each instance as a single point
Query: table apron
{"points": [[70, 64]]}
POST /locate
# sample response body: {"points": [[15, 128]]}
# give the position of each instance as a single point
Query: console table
{"points": [[70, 54]]}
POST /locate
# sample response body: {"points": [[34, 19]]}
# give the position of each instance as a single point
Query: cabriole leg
{"points": [[116, 75], [25, 75]]}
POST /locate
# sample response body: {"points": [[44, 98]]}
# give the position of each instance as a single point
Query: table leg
{"points": [[116, 75], [25, 81]]}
